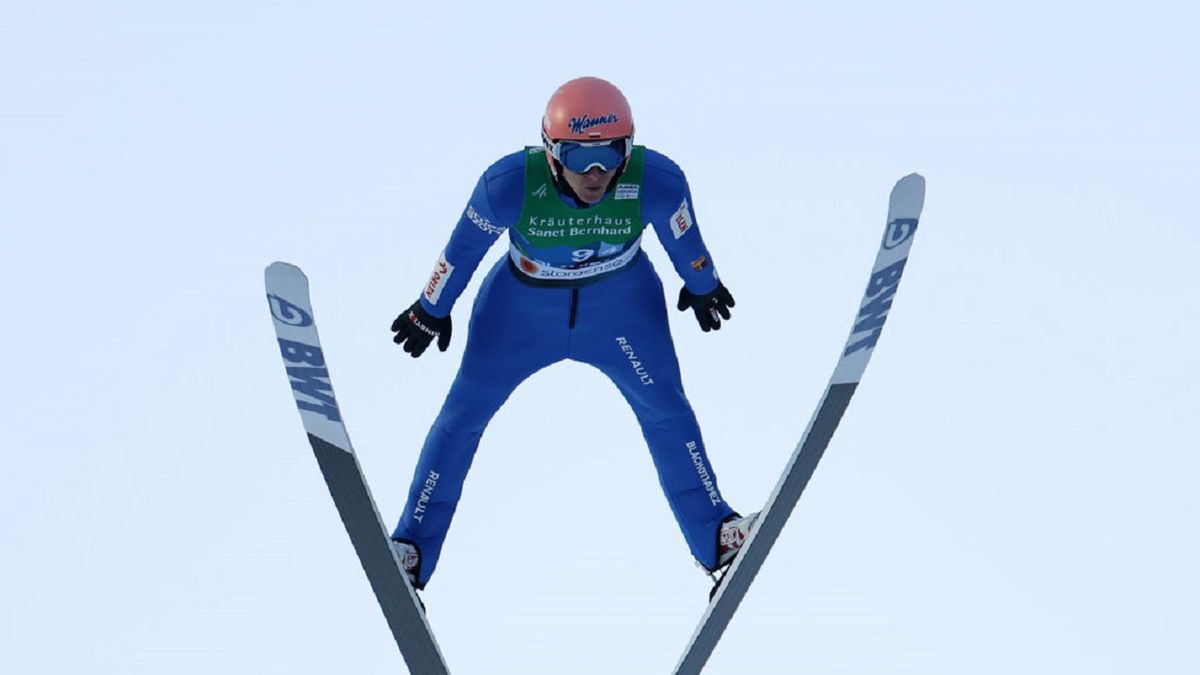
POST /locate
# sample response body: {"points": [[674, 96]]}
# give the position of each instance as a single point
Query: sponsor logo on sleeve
{"points": [[437, 281], [681, 220], [700, 263], [482, 222], [627, 191]]}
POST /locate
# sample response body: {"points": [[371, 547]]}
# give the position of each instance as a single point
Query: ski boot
{"points": [[410, 561], [730, 537]]}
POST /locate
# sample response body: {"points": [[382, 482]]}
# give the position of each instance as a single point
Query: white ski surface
{"points": [[904, 212], [308, 374]]}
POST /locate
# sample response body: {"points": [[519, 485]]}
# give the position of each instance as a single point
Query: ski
{"points": [[308, 374], [904, 211]]}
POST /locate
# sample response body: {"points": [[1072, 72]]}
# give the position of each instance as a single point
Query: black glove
{"points": [[710, 308], [416, 328]]}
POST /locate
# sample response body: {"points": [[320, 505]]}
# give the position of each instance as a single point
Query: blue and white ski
{"points": [[296, 330], [904, 211]]}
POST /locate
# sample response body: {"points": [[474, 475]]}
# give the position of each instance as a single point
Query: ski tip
{"points": [[280, 268], [912, 181], [908, 197]]}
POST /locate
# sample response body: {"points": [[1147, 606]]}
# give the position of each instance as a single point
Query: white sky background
{"points": [[1014, 488]]}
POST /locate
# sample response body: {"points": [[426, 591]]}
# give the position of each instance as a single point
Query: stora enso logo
{"points": [[899, 231], [287, 313], [582, 124]]}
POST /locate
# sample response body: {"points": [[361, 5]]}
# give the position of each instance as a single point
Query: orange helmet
{"points": [[587, 123], [586, 110]]}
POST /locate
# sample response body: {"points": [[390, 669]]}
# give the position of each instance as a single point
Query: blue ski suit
{"points": [[611, 315]]}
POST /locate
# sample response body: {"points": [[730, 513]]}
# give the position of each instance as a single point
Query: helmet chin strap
{"points": [[556, 170]]}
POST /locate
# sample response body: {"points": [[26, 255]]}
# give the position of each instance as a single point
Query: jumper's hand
{"points": [[710, 308], [416, 328]]}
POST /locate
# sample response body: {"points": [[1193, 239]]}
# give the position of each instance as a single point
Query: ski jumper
{"points": [[574, 285]]}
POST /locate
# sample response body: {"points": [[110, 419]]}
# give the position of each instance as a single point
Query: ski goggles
{"points": [[580, 157]]}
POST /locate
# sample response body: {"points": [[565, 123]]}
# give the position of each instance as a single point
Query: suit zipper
{"points": [[574, 307]]}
